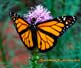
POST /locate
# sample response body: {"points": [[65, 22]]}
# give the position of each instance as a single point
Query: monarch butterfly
{"points": [[43, 35]]}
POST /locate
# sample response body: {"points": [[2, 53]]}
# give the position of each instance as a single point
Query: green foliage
{"points": [[62, 7], [3, 54]]}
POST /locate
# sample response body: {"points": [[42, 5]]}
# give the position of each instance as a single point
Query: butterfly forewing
{"points": [[21, 24], [68, 21]]}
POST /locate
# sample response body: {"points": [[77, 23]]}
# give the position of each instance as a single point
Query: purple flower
{"points": [[39, 13]]}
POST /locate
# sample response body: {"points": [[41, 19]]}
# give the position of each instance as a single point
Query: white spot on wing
{"points": [[66, 22], [74, 18], [58, 18], [66, 26], [64, 18]]}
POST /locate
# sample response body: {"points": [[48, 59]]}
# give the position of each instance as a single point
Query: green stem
{"points": [[35, 58]]}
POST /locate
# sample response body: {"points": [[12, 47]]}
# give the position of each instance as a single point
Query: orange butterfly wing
{"points": [[49, 31], [23, 30], [25, 33]]}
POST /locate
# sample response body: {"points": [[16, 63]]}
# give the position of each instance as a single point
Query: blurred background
{"points": [[13, 53]]}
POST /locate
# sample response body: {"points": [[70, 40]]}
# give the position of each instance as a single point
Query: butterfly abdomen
{"points": [[34, 35]]}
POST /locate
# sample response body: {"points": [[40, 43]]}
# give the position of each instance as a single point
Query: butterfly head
{"points": [[33, 20]]}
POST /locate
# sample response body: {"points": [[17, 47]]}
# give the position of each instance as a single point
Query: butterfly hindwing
{"points": [[27, 39], [45, 41], [23, 30], [52, 30]]}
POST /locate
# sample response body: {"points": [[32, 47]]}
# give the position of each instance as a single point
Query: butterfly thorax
{"points": [[33, 25]]}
